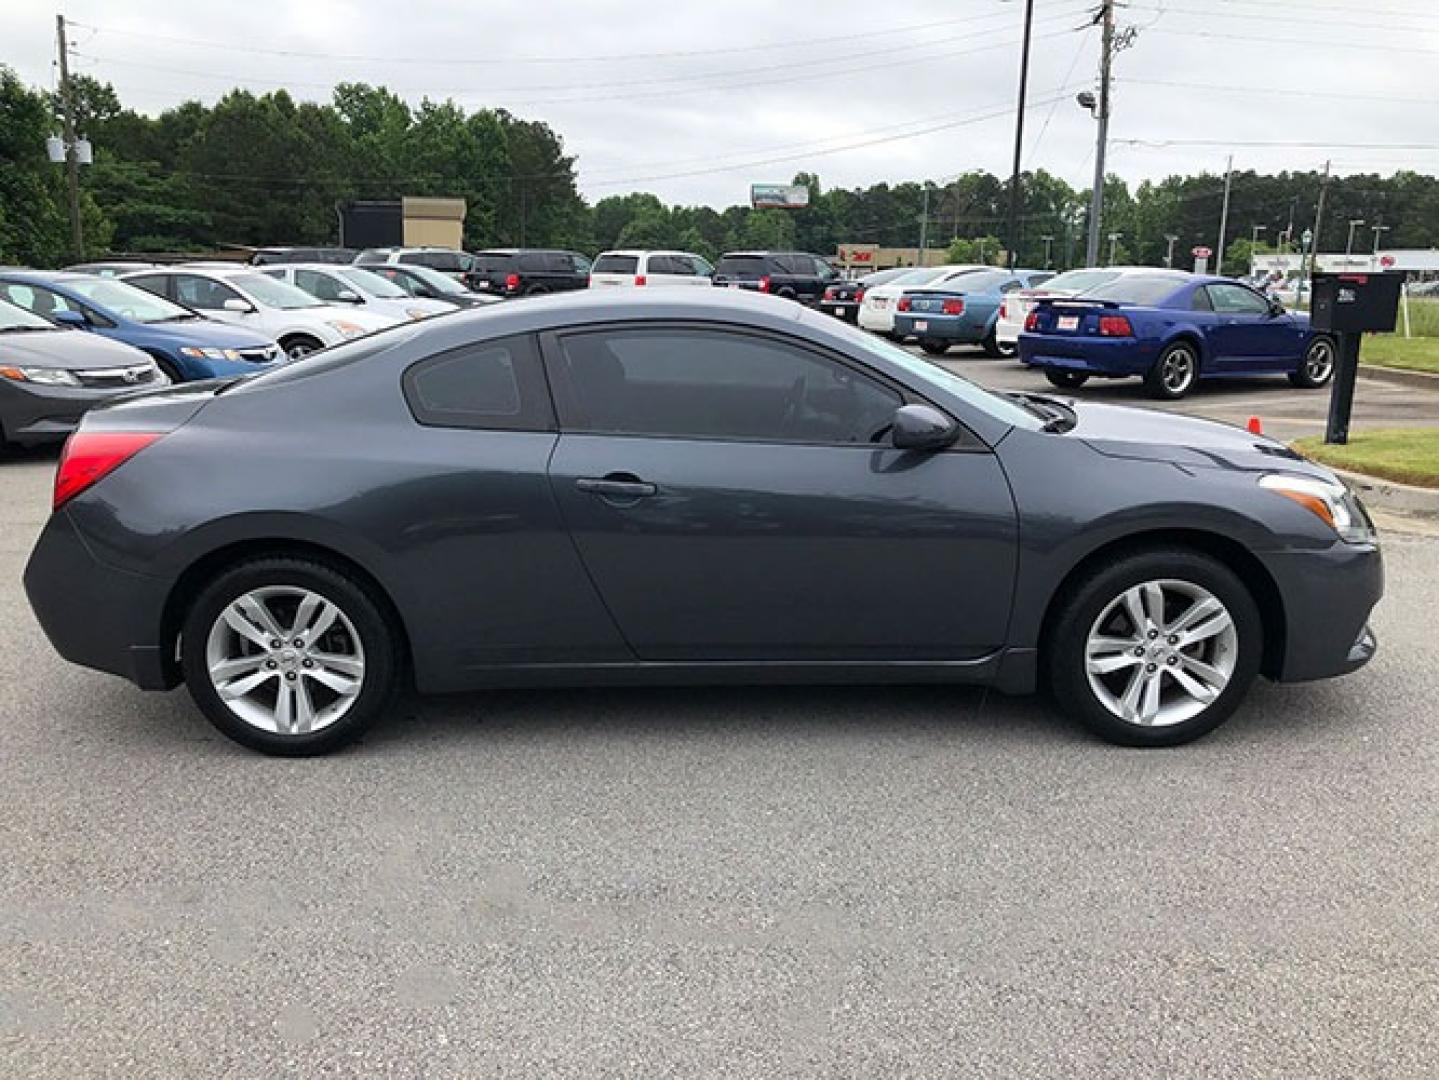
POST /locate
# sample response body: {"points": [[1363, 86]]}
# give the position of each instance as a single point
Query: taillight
{"points": [[1004, 310], [859, 295], [640, 279], [952, 307], [829, 293], [903, 305], [1031, 321], [1115, 326], [512, 282], [764, 284], [89, 456]]}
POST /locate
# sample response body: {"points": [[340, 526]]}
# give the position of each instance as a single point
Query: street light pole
{"points": [[1014, 201], [1224, 216], [1169, 255], [1048, 248], [1378, 229], [1349, 244]]}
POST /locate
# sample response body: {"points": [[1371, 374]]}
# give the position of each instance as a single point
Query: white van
{"points": [[650, 268]]}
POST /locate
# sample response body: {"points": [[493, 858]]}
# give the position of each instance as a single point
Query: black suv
{"points": [[528, 271], [274, 256], [795, 275]]}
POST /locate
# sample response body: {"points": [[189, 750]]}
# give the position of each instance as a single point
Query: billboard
{"points": [[778, 196]]}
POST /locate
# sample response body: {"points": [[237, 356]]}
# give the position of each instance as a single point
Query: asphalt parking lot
{"points": [[766, 882]]}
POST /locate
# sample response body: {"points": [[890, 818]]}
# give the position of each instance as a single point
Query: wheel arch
{"points": [[1223, 549], [1188, 335], [193, 579]]}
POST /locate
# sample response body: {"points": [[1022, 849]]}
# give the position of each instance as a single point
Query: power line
{"points": [[1252, 40], [1273, 16], [1250, 91]]}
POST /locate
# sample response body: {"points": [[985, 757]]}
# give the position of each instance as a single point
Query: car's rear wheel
{"points": [[994, 347], [934, 346], [289, 656], [1156, 648], [1317, 367], [298, 345], [1065, 380], [536, 290], [1174, 373]]}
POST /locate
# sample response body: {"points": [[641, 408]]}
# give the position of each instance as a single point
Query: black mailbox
{"points": [[1354, 303]]}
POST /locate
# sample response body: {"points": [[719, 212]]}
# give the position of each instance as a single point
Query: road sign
{"points": [[1386, 261], [1201, 252]]}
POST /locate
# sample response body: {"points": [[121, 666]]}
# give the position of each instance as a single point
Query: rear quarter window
{"points": [[490, 385], [742, 266]]}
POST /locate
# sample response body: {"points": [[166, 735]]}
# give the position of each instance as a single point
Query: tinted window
{"points": [[1200, 301], [974, 281], [1237, 300], [714, 384], [532, 262], [700, 264], [745, 267], [578, 263], [203, 293], [1137, 289], [491, 384], [823, 269], [487, 262], [151, 283], [619, 264]]}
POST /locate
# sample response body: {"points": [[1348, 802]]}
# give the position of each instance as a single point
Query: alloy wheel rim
{"points": [[285, 660], [1161, 653], [1319, 362], [1178, 370]]}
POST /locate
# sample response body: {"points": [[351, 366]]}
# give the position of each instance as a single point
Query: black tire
{"points": [[1086, 599], [1065, 380], [890, 335], [787, 294], [933, 346], [536, 290], [995, 350], [298, 345], [1317, 368], [1175, 373], [382, 653]]}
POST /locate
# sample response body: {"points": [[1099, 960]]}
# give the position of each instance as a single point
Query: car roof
{"points": [[41, 277]]}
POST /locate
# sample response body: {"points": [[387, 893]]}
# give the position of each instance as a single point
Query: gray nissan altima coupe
{"points": [[593, 489]]}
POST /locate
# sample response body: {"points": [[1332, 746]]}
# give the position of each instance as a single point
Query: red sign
{"points": [[1201, 253], [1386, 261]]}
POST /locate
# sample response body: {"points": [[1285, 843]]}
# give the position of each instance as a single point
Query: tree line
{"points": [[265, 169]]}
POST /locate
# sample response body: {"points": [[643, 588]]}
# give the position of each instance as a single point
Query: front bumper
{"points": [[95, 615], [34, 413], [1328, 597]]}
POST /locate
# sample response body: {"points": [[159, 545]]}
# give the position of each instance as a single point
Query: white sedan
{"points": [[1018, 304], [242, 296], [876, 310], [358, 286]]}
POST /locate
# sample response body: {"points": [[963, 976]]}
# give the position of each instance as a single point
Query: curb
{"points": [[1394, 497], [1399, 377]]}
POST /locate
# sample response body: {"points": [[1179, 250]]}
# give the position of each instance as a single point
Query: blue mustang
{"points": [[185, 345], [963, 311], [1172, 329]]}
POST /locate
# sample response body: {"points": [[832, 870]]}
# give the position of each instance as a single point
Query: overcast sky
{"points": [[694, 99]]}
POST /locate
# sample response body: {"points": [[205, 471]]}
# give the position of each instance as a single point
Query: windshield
{"points": [[13, 317], [1001, 408], [126, 300], [1077, 281], [976, 281], [271, 293], [374, 284], [918, 277], [1141, 289], [438, 282]]}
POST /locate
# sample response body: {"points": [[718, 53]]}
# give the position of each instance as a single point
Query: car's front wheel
{"points": [[289, 656], [1174, 373], [1065, 380], [1317, 367], [299, 345], [933, 346], [1156, 648]]}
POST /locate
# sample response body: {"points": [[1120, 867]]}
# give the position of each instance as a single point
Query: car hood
{"points": [[206, 332], [1150, 435], [346, 313], [75, 350]]}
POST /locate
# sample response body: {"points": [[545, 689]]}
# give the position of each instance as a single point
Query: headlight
{"points": [[415, 313], [209, 354], [41, 376], [1332, 503], [346, 328]]}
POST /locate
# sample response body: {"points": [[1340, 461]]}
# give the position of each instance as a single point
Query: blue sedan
{"points": [[963, 311], [1172, 329], [185, 345]]}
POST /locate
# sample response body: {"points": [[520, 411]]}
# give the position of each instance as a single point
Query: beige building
{"points": [[854, 259], [432, 222]]}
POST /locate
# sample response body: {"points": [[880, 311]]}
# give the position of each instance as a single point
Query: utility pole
{"points": [[1106, 65], [1113, 242], [1318, 225], [1224, 216], [1169, 255], [924, 226], [1014, 202], [72, 161], [1048, 249]]}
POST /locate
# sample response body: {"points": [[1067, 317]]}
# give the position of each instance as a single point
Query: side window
{"points": [[446, 262], [1236, 300], [824, 270], [1010, 286], [578, 263], [698, 383], [497, 385], [530, 262], [668, 264], [1201, 301], [321, 286], [699, 266], [42, 302], [202, 293], [151, 283]]}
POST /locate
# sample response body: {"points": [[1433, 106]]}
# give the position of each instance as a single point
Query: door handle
{"points": [[616, 486]]}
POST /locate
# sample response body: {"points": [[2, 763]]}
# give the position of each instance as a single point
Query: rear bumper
{"points": [[1007, 333], [956, 328], [840, 309], [31, 413], [1328, 597], [95, 615], [1093, 355]]}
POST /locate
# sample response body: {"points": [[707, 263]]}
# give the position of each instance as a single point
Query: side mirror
{"points": [[71, 318], [922, 427], [239, 306], [345, 296], [1276, 306]]}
